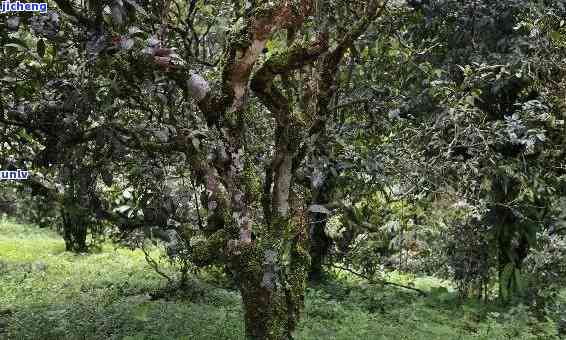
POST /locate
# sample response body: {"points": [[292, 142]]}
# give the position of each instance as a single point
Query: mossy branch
{"points": [[329, 70], [154, 265], [293, 58]]}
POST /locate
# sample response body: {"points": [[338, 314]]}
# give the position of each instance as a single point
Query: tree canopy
{"points": [[278, 139]]}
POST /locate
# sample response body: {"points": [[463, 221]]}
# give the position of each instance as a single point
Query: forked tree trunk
{"points": [[272, 268]]}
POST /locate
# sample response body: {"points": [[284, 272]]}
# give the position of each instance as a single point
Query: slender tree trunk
{"points": [[320, 242], [503, 260], [74, 230], [319, 246]]}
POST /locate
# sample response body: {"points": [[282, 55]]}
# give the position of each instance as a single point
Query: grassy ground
{"points": [[47, 293]]}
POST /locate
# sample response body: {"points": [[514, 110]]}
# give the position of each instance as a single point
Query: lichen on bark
{"points": [[272, 280], [211, 249], [271, 264]]}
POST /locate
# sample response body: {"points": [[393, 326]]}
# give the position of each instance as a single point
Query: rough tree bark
{"points": [[327, 88], [271, 261], [273, 270]]}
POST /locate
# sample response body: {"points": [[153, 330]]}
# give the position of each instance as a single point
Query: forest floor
{"points": [[47, 293]]}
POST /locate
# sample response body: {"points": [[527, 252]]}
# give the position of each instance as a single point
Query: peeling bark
{"points": [[271, 269], [282, 184]]}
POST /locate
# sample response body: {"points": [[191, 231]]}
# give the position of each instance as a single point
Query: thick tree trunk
{"points": [[271, 262], [269, 311], [503, 259], [272, 283], [74, 231], [511, 255]]}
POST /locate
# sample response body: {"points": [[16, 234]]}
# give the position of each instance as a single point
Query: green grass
{"points": [[47, 293]]}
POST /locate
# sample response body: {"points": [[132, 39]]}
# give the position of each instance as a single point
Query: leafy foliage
{"points": [[273, 141]]}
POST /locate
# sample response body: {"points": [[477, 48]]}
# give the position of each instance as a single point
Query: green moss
{"points": [[251, 261], [297, 272], [277, 308], [221, 216], [230, 225], [232, 119], [265, 307], [241, 39], [186, 231], [276, 234], [210, 250], [251, 181]]}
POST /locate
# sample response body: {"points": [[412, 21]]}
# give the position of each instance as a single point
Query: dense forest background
{"points": [[283, 169]]}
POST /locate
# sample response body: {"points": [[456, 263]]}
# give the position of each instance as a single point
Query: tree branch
{"points": [[293, 58], [380, 281], [329, 70]]}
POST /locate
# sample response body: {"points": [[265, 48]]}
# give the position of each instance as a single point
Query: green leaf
{"points": [[556, 36]]}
